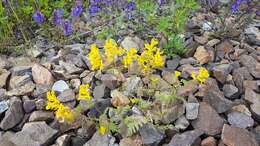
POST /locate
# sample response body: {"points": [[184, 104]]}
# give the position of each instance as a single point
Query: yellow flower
{"points": [[177, 74], [95, 58], [131, 54], [158, 59], [151, 46], [112, 50], [84, 92], [63, 113], [102, 129], [202, 76]]}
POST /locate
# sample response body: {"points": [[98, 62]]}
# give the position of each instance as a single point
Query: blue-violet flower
{"points": [[38, 17]]}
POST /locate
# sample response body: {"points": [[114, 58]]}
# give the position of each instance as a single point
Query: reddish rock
{"points": [[234, 136], [41, 75], [209, 141], [202, 55]]}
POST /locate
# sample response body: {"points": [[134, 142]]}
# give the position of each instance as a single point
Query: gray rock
{"points": [[2, 94], [174, 63], [256, 131], [77, 141], [88, 78], [63, 140], [100, 106], [4, 63], [239, 75], [240, 120], [187, 138], [3, 106], [75, 83], [71, 68], [22, 90], [252, 65], [13, 115], [217, 100], [131, 85], [67, 95], [110, 81], [234, 136], [151, 135], [101, 140], [221, 71], [17, 81], [29, 106], [252, 97], [41, 75], [60, 86], [34, 134], [169, 77], [21, 70], [208, 120], [181, 123], [41, 116], [255, 108], [192, 110], [132, 42], [99, 91], [189, 60], [230, 91], [3, 78], [41, 90]]}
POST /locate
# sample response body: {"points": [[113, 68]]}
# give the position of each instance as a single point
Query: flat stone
{"points": [[202, 55], [41, 116], [181, 123], [151, 135], [34, 134], [255, 108], [252, 65], [3, 106], [223, 48], [213, 42], [132, 42], [60, 86], [239, 75], [221, 71], [187, 138], [21, 70], [234, 136], [240, 120], [251, 85], [110, 81], [119, 99], [100, 140], [174, 63], [63, 140], [131, 85], [3, 79], [99, 91], [242, 109], [66, 96], [71, 68], [88, 78], [22, 90], [209, 141], [201, 39], [208, 120], [192, 110], [135, 140], [13, 115], [29, 106], [169, 77], [230, 91], [189, 60], [41, 75], [189, 88], [251, 96], [17, 81]]}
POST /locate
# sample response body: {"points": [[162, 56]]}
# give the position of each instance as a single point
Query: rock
{"points": [[135, 140], [189, 60], [63, 140], [251, 96], [5, 142], [34, 134], [18, 81], [42, 75], [209, 141], [132, 42], [174, 63], [21, 70], [201, 39], [4, 63], [101, 140], [119, 99], [208, 120], [75, 83], [3, 78], [169, 77], [71, 68], [131, 85], [2, 94], [66, 96], [99, 91], [29, 106], [41, 90], [88, 78], [221, 71], [217, 100], [252, 65], [13, 115], [192, 110], [99, 108], [230, 91], [60, 86], [3, 106], [223, 48], [213, 42], [189, 88], [251, 85], [22, 90], [242, 109], [207, 26], [239, 75], [202, 55], [187, 138], [255, 108], [256, 131], [181, 123], [110, 81], [240, 120], [77, 141], [151, 135], [41, 116], [234, 136]]}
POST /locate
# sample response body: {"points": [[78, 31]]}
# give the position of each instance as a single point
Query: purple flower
{"points": [[162, 2], [93, 9], [5, 2], [76, 11], [38, 17], [57, 16], [130, 6], [236, 4], [108, 2], [67, 28]]}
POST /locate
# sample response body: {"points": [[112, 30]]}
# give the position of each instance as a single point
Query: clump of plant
{"points": [[232, 17]]}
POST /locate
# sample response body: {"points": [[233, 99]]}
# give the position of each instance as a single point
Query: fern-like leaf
{"points": [[134, 123]]}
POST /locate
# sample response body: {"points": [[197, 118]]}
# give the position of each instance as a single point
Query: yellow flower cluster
{"points": [[202, 76], [102, 129], [84, 92], [131, 54], [151, 57], [63, 113], [112, 50], [177, 74], [95, 58]]}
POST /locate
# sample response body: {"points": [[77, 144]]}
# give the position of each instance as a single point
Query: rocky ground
{"points": [[225, 111]]}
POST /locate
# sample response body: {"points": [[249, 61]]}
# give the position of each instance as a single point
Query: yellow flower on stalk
{"points": [[158, 60], [177, 74], [102, 129], [202, 76], [63, 113], [131, 54], [95, 58], [112, 50], [152, 45], [84, 92]]}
